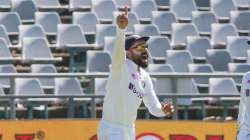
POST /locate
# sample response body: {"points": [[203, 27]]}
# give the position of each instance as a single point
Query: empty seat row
{"points": [[142, 8]]}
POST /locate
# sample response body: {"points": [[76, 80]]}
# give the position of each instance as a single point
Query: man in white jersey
{"points": [[128, 85], [244, 109]]}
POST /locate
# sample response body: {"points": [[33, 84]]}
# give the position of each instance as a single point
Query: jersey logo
{"points": [[134, 76], [135, 91]]}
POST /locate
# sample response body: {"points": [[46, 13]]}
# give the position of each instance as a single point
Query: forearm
{"points": [[119, 54], [153, 105]]}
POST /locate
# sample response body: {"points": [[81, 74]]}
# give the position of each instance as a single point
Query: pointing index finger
{"points": [[126, 10]]}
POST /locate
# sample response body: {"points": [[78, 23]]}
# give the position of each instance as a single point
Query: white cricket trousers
{"points": [[108, 131], [243, 135]]}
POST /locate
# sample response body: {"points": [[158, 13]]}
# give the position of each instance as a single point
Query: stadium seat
{"points": [[28, 86], [220, 32], [5, 5], [222, 8], [203, 21], [179, 59], [80, 5], [186, 86], [180, 31], [238, 68], [223, 86], [76, 45], [143, 9], [237, 47], [241, 20], [7, 68], [160, 68], [49, 21], [87, 21], [219, 59], [133, 19], [203, 5], [197, 47], [248, 56], [109, 43], [98, 61], [4, 35], [162, 4], [104, 10], [36, 50], [31, 31], [5, 54], [161, 85], [242, 4], [26, 9], [71, 86], [3, 101], [183, 9], [68, 86], [32, 87], [100, 86], [46, 83], [157, 46], [201, 82], [103, 30], [11, 21], [70, 35], [163, 21], [49, 5], [146, 30]]}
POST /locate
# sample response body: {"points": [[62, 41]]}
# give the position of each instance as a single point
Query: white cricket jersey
{"points": [[244, 107], [127, 88]]}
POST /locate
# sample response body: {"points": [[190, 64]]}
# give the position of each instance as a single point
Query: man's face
{"points": [[139, 53]]}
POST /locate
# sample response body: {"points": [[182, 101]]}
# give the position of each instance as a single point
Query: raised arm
{"points": [[119, 54]]}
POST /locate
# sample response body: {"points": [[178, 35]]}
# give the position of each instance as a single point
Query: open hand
{"points": [[122, 20]]}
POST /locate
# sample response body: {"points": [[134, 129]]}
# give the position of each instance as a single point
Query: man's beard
{"points": [[139, 61]]}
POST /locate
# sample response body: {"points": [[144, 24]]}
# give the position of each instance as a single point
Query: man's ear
{"points": [[128, 54]]}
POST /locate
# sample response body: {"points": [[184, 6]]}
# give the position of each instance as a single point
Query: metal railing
{"points": [[174, 76]]}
